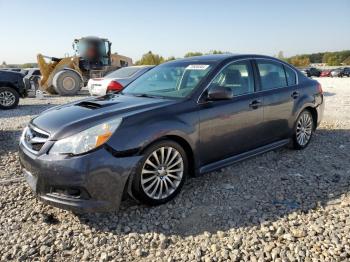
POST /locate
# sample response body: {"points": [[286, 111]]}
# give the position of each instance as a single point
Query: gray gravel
{"points": [[281, 206]]}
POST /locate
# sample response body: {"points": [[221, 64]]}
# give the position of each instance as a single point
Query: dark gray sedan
{"points": [[182, 118]]}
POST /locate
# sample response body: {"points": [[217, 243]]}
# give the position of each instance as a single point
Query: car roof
{"points": [[139, 66], [219, 58]]}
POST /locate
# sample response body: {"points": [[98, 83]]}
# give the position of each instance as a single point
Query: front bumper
{"points": [[93, 182]]}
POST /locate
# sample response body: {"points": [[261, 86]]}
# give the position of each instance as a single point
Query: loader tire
{"points": [[67, 83]]}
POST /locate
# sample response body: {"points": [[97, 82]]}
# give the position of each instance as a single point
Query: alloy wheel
{"points": [[162, 172], [304, 129], [7, 98]]}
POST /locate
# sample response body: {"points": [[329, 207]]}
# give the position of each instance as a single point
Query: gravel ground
{"points": [[281, 206]]}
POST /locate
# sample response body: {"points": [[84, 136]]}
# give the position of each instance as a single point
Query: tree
{"points": [[299, 61], [331, 59], [29, 65], [170, 58], [216, 52], [280, 55], [316, 58], [150, 59], [190, 54], [347, 61], [4, 63]]}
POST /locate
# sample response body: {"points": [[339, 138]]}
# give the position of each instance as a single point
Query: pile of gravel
{"points": [[284, 205]]}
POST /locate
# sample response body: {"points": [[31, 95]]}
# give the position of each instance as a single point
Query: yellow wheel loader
{"points": [[92, 59]]}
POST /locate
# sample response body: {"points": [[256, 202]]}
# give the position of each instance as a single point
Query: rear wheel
{"points": [[161, 174], [303, 130], [9, 98], [67, 83]]}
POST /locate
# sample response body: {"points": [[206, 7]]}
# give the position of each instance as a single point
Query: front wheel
{"points": [[303, 130], [9, 98], [67, 83], [161, 174]]}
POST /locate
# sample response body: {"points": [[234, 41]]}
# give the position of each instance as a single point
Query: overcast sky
{"points": [[172, 28]]}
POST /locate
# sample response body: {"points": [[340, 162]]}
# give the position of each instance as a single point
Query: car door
{"points": [[279, 90], [232, 126]]}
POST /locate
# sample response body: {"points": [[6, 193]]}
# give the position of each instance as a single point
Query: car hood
{"points": [[65, 120]]}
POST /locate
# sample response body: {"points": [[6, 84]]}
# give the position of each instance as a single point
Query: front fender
{"points": [[136, 139]]}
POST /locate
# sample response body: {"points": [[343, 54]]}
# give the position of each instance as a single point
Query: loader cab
{"points": [[94, 52]]}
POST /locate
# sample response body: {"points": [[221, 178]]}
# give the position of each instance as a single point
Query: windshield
{"points": [[124, 72], [170, 80]]}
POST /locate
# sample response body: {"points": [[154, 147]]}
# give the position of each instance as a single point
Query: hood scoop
{"points": [[94, 105]]}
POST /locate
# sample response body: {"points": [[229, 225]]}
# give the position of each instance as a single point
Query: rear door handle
{"points": [[255, 104], [295, 95]]}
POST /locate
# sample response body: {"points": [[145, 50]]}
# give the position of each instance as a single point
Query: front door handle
{"points": [[255, 104], [295, 95]]}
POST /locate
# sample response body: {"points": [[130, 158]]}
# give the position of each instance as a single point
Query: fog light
{"points": [[66, 192]]}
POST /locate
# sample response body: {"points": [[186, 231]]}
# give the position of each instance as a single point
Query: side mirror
{"points": [[216, 92]]}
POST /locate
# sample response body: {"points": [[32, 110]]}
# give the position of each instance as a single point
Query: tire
{"points": [[67, 83], [143, 185], [9, 98], [303, 130]]}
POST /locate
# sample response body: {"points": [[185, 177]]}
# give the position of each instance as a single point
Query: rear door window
{"points": [[291, 76], [272, 74]]}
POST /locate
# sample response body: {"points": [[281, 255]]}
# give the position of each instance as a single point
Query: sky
{"points": [[173, 27]]}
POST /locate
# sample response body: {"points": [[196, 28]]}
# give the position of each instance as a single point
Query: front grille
{"points": [[34, 138]]}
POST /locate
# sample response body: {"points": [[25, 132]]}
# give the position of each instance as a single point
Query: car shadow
{"points": [[262, 189]]}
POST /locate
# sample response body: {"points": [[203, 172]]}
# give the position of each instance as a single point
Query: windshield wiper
{"points": [[145, 95]]}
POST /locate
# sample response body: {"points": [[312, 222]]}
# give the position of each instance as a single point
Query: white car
{"points": [[116, 80]]}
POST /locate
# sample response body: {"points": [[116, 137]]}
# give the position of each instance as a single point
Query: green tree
{"points": [[299, 61], [189, 54], [150, 59], [316, 58], [331, 59], [216, 52], [347, 61], [170, 58], [29, 65]]}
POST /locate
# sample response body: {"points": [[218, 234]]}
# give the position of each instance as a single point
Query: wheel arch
{"points": [[314, 114], [184, 144]]}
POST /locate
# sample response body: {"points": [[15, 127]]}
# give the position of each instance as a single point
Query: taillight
{"points": [[114, 86], [319, 88]]}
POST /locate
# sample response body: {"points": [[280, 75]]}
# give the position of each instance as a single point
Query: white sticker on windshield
{"points": [[197, 67]]}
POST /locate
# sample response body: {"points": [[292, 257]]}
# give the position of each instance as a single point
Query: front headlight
{"points": [[87, 139]]}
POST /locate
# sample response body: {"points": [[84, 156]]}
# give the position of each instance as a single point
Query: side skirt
{"points": [[234, 159]]}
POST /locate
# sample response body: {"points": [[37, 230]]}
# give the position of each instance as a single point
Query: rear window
{"points": [[124, 72], [36, 73]]}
